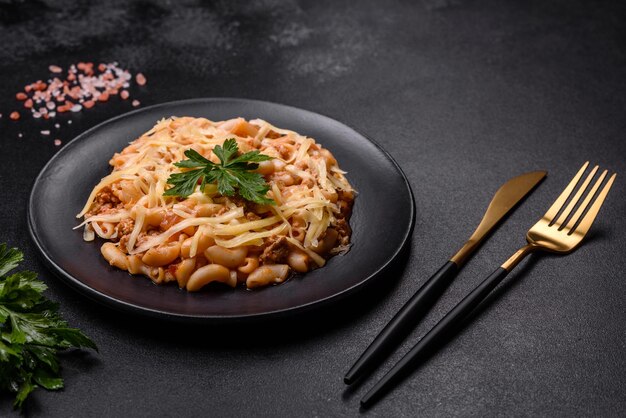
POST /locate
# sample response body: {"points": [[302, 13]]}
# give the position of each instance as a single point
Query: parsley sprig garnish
{"points": [[31, 331], [233, 173]]}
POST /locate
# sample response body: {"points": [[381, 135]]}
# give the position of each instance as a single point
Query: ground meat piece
{"points": [[276, 252], [345, 208], [346, 194], [106, 209], [345, 201], [123, 243], [237, 200], [106, 196], [241, 202], [342, 227], [98, 209], [143, 236], [251, 216], [105, 202], [125, 227]]}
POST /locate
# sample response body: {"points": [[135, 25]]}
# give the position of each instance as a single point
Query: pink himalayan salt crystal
{"points": [[140, 79], [57, 142], [84, 83], [136, 103]]}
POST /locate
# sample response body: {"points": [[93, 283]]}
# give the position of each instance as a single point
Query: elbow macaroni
{"points": [[208, 237]]}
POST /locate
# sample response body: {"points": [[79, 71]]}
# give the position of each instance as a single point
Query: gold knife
{"points": [[505, 199]]}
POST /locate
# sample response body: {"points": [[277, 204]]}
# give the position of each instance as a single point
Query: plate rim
{"points": [[124, 306]]}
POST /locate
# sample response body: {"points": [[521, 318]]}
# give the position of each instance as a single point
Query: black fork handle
{"points": [[403, 322], [434, 336]]}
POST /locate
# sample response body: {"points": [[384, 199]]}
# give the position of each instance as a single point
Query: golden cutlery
{"points": [[560, 230], [504, 200]]}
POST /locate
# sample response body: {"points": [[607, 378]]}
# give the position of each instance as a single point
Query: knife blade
{"points": [[504, 200]]}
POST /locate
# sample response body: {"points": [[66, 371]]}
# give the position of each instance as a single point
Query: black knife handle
{"points": [[435, 336], [402, 322]]}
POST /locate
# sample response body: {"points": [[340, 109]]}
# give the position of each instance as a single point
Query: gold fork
{"points": [[565, 233], [560, 230]]}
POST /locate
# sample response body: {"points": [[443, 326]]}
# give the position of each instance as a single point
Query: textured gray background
{"points": [[464, 95]]}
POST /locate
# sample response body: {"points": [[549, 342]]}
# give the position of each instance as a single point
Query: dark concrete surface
{"points": [[464, 95]]}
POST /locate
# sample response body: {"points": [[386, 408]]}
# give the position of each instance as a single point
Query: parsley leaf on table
{"points": [[233, 173], [31, 332]]}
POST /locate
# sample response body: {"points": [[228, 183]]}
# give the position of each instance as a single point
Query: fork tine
{"points": [[585, 224], [575, 199], [583, 206], [560, 201]]}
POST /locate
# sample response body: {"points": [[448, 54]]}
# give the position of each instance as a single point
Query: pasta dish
{"points": [[212, 236]]}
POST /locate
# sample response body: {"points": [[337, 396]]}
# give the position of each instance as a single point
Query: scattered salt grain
{"points": [[19, 135], [140, 79], [81, 86], [83, 83]]}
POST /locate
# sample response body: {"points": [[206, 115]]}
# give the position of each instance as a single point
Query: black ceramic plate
{"points": [[382, 219]]}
